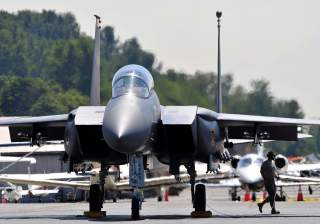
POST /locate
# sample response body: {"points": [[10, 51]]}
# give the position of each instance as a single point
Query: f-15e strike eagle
{"points": [[134, 124]]}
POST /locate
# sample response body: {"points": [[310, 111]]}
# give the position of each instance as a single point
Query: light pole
{"points": [[219, 90]]}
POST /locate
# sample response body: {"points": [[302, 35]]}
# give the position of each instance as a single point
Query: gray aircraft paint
{"points": [[95, 78]]}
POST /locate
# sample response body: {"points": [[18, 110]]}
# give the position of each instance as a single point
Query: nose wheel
{"points": [[135, 207]]}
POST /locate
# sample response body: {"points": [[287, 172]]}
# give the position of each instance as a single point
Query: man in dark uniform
{"points": [[269, 173]]}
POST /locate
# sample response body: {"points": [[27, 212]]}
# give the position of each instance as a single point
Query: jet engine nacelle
{"points": [[281, 162], [71, 141], [234, 161]]}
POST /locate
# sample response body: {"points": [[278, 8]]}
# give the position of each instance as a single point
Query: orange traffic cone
{"points": [[300, 195], [166, 195], [247, 196]]}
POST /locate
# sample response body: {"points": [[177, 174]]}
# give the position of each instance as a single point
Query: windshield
{"points": [[130, 85], [245, 162], [259, 161]]}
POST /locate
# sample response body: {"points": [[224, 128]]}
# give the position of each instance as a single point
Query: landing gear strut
{"points": [[136, 181]]}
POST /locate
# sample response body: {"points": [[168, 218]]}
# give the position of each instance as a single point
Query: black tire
{"points": [[280, 198], [95, 198], [135, 208], [200, 198], [235, 198]]}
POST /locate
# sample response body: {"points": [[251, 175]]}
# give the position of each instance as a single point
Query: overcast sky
{"points": [[271, 39]]}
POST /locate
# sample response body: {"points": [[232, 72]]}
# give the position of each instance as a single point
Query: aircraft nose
{"points": [[125, 129], [250, 176]]}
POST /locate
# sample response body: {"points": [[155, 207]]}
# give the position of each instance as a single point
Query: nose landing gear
{"points": [[136, 181]]}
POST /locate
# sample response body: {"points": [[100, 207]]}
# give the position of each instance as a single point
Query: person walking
{"points": [[269, 173]]}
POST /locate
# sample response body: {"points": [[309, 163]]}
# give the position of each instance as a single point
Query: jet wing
{"points": [[39, 192], [23, 129], [233, 182], [50, 176], [11, 121], [299, 179], [52, 128], [171, 181], [7, 159], [239, 119], [303, 167], [124, 185], [246, 126], [191, 127], [54, 183], [245, 141], [292, 184]]}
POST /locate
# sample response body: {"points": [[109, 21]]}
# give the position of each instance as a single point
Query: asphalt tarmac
{"points": [[176, 210]]}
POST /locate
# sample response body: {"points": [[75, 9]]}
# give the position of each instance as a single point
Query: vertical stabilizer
{"points": [[219, 90], [95, 78], [260, 149]]}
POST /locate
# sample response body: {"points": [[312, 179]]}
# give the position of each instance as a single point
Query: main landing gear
{"points": [[96, 194], [198, 195]]}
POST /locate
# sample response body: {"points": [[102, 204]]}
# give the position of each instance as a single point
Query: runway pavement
{"points": [[177, 210]]}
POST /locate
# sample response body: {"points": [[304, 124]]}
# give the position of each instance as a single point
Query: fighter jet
{"points": [[134, 124]]}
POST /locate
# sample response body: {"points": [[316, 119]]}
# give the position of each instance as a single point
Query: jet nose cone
{"points": [[125, 129], [250, 176]]}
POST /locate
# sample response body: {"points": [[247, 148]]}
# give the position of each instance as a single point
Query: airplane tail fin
{"points": [[260, 149], [95, 78]]}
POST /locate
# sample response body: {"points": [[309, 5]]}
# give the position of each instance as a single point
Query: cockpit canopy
{"points": [[249, 160], [245, 162], [132, 79]]}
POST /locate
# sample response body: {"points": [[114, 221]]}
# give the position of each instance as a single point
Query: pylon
{"points": [[4, 200], [166, 195], [247, 196], [300, 195]]}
